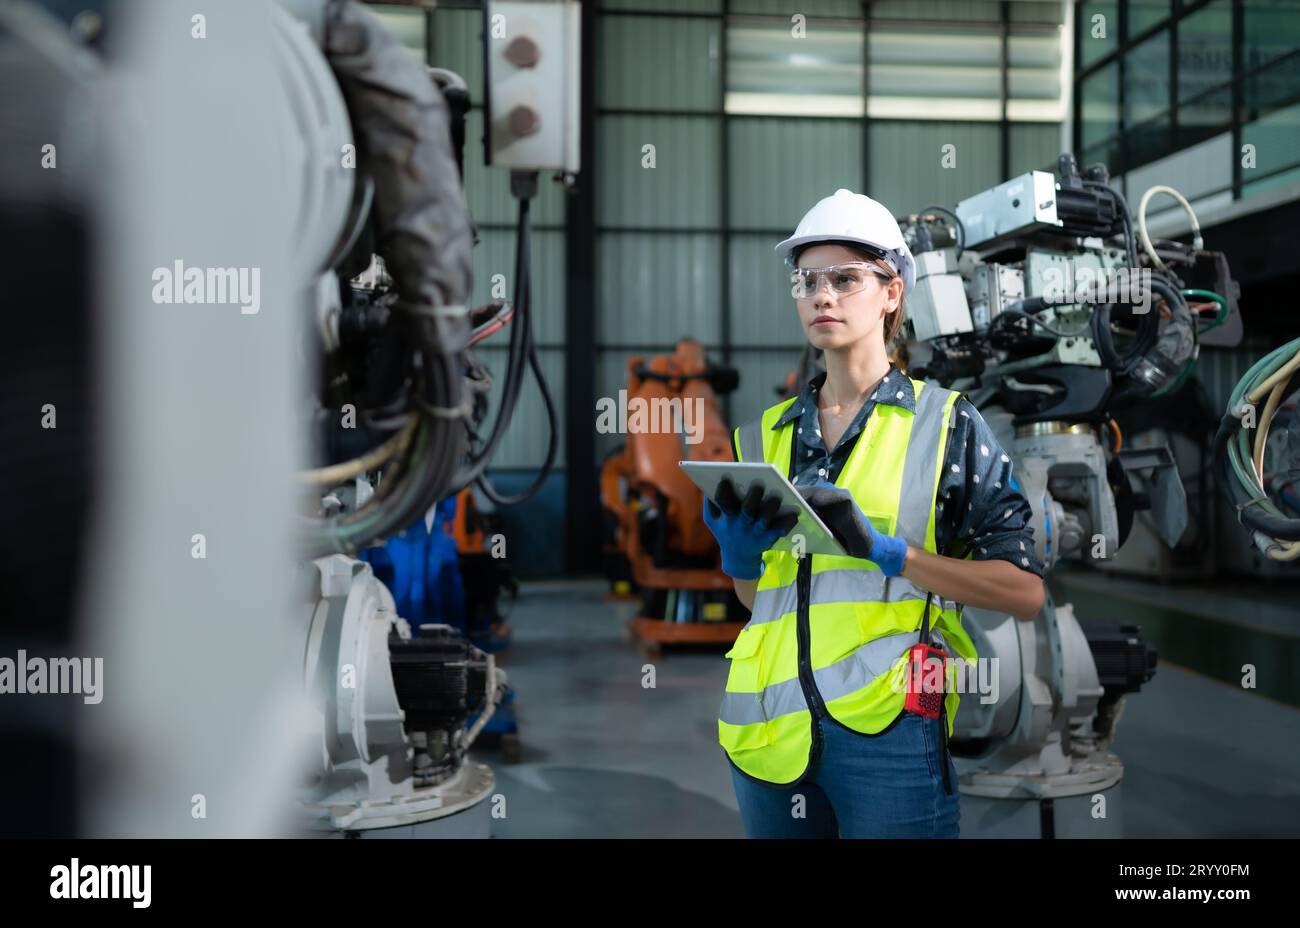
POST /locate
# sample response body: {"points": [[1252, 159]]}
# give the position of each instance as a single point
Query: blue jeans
{"points": [[862, 786]]}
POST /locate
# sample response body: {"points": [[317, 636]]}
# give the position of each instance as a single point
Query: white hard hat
{"points": [[846, 216]]}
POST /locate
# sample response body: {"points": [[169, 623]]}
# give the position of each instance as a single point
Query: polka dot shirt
{"points": [[980, 508]]}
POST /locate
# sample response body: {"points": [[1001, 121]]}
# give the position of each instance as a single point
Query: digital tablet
{"points": [[817, 537]]}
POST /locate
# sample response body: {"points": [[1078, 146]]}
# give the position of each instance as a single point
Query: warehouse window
{"points": [[1270, 30], [1097, 119], [917, 67], [1146, 95], [1204, 73], [929, 71], [1165, 76], [1143, 14], [1098, 30], [774, 68]]}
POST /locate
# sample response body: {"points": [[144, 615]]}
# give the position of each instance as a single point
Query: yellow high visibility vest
{"points": [[835, 631]]}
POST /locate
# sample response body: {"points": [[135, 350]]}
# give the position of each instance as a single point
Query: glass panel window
{"points": [[1098, 100], [1271, 29], [1205, 50], [1098, 30], [1107, 153], [1276, 141], [1276, 85], [936, 74], [1034, 78], [1143, 14], [1146, 80], [1151, 140], [1207, 115], [772, 71]]}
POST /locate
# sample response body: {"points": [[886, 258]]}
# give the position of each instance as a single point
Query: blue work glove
{"points": [[745, 528], [853, 530]]}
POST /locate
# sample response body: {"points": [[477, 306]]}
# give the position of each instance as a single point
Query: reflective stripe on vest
{"points": [[749, 438], [852, 585], [839, 679], [860, 621], [921, 467]]}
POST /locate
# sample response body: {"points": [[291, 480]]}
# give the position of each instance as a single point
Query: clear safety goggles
{"points": [[806, 282]]}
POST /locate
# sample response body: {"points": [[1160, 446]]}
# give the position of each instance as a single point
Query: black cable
{"points": [[957, 223], [409, 187], [437, 445], [1248, 510], [1146, 336], [516, 356], [1121, 205], [551, 448], [523, 319], [1149, 326], [1172, 294]]}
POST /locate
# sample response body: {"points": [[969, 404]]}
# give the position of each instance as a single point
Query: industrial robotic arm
{"points": [[1037, 299], [399, 396]]}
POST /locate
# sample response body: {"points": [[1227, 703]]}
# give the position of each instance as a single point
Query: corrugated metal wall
{"points": [[1034, 147], [908, 161]]}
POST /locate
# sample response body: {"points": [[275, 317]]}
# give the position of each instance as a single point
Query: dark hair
{"points": [[894, 320]]}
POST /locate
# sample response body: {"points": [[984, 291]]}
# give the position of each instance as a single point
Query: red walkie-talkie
{"points": [[924, 696]]}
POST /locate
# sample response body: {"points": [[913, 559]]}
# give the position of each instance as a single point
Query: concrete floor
{"points": [[605, 756]]}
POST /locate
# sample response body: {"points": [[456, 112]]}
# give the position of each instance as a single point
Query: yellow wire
{"points": [[1261, 428], [1275, 386], [1285, 551], [346, 470], [1286, 370]]}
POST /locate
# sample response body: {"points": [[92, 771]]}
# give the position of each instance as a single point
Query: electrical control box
{"points": [[1020, 205], [937, 303], [532, 54], [992, 288]]}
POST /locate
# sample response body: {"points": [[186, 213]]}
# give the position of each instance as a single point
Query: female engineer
{"points": [[813, 720]]}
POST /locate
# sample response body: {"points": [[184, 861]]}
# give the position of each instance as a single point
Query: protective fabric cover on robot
{"points": [[400, 120]]}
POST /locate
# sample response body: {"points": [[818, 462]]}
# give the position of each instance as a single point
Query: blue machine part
{"points": [[420, 567]]}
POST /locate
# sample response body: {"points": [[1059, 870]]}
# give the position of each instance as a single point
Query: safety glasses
{"points": [[806, 282]]}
